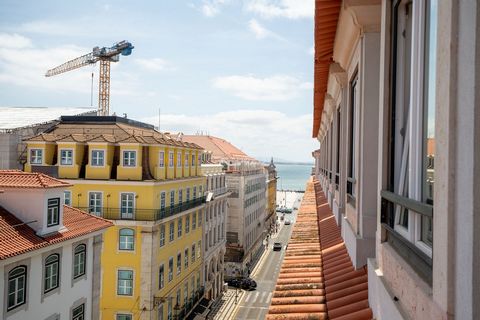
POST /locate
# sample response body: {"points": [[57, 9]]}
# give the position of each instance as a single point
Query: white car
{"points": [[287, 222]]}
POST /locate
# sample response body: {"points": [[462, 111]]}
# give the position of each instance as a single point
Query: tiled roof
{"points": [[220, 148], [20, 179], [317, 279], [326, 18], [17, 238], [102, 132]]}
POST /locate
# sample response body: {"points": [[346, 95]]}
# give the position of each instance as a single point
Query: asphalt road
{"points": [[254, 304]]}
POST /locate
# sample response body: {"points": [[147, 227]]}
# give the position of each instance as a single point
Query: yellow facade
{"points": [[116, 189]]}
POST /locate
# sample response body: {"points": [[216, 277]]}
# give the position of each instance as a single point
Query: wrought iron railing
{"points": [[142, 214], [184, 310]]}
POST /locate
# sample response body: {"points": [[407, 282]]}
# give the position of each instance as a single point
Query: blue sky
{"points": [[241, 70]]}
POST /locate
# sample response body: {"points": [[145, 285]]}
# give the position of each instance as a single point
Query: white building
{"points": [[214, 229], [246, 184], [396, 115], [49, 253]]}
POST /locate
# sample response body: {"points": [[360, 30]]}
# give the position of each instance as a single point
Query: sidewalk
{"points": [[224, 308]]}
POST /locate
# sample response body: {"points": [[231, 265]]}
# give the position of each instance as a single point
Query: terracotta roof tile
{"points": [[17, 238], [317, 279], [20, 179], [220, 148]]}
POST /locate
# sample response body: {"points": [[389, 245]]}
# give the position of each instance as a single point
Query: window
{"points": [[127, 205], [194, 220], [98, 158], [79, 258], [192, 281], [129, 158], [199, 161], [199, 218], [161, 277], [169, 310], [178, 296], [198, 280], [170, 269], [200, 191], [160, 312], [124, 316], [125, 283], [127, 240], [66, 157], [170, 159], [179, 159], [52, 271], [162, 235], [187, 224], [412, 122], [78, 313], [53, 212], [193, 159], [186, 159], [161, 159], [193, 253], [185, 259], [180, 196], [179, 227], [337, 173], [67, 198], [194, 192], [172, 231], [162, 203], [185, 293], [172, 198], [188, 195], [17, 287], [179, 263], [36, 156], [95, 203], [199, 247], [352, 119]]}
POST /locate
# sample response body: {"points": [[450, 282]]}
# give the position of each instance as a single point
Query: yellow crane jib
{"points": [[105, 56]]}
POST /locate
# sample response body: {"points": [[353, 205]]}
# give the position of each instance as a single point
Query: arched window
{"points": [[79, 260], [126, 241], [52, 271], [17, 287]]}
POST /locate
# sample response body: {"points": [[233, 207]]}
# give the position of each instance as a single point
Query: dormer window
{"points": [[98, 158], [129, 158], [161, 159], [53, 212], [36, 156], [66, 157]]}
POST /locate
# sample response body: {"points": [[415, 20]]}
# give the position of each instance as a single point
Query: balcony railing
{"points": [[143, 214], [219, 191], [183, 311]]}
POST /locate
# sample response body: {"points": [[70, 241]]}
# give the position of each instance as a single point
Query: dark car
{"points": [[234, 283], [242, 283], [249, 283], [277, 246]]}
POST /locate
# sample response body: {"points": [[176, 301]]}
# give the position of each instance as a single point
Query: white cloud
{"points": [[274, 88], [154, 64], [260, 31], [211, 8], [259, 133], [14, 41], [292, 9]]}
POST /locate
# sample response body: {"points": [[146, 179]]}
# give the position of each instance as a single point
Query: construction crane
{"points": [[105, 56]]}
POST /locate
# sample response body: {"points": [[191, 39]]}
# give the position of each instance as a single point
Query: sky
{"points": [[240, 70]]}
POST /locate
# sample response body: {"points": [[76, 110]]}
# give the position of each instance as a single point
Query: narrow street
{"points": [[254, 304]]}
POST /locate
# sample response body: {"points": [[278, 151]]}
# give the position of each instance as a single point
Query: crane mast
{"points": [[104, 56]]}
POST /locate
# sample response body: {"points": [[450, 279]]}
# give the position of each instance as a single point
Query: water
{"points": [[293, 176]]}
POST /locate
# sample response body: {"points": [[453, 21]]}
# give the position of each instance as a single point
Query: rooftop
{"points": [[108, 129], [317, 279], [17, 237], [20, 179], [220, 148]]}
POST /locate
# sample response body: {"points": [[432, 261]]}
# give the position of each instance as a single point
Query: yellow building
{"points": [[151, 186]]}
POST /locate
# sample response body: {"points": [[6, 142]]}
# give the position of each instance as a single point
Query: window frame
{"points": [[53, 216], [23, 274], [65, 192], [127, 206], [171, 265], [179, 159], [37, 154], [127, 160], [162, 235], [50, 273], [125, 280], [62, 157], [179, 227], [353, 110], [96, 200], [171, 231], [126, 237], [95, 160], [82, 249], [179, 263], [161, 159], [81, 315], [171, 159], [161, 276]]}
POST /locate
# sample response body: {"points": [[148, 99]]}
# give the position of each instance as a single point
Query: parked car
{"points": [[242, 283], [277, 246], [249, 283], [287, 222], [288, 210]]}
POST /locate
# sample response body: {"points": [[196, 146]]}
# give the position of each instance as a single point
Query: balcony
{"points": [[143, 214], [219, 191], [183, 311]]}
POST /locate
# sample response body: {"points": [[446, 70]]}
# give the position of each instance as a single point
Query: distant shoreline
{"points": [[293, 163]]}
